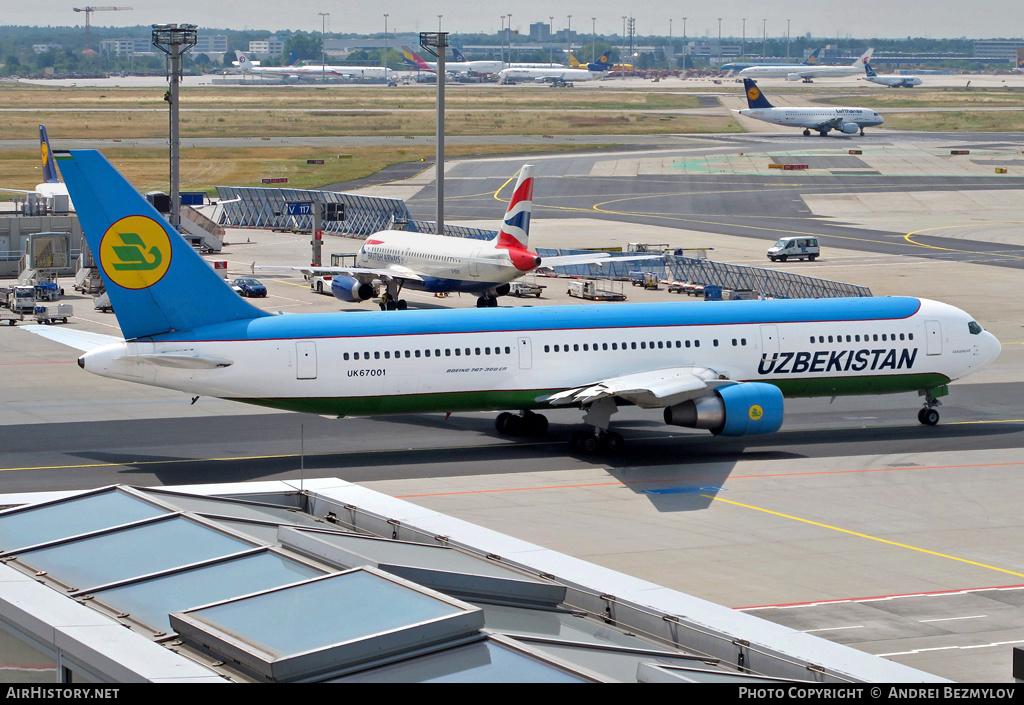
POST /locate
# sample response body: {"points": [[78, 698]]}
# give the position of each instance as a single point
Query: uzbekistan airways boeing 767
{"points": [[722, 366]]}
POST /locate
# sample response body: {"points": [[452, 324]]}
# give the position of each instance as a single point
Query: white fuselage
{"points": [[548, 75], [440, 263], [481, 66], [796, 72], [813, 117], [894, 81], [350, 364]]}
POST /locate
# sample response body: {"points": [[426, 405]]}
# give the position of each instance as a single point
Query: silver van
{"points": [[795, 247]]}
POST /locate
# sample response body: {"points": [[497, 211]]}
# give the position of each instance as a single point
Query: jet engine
{"points": [[744, 409], [849, 128], [350, 289]]}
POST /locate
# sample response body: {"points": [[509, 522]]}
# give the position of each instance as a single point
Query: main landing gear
{"points": [[389, 302], [487, 301], [594, 438]]}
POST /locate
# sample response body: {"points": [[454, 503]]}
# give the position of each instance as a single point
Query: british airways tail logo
{"points": [[837, 361], [515, 230]]}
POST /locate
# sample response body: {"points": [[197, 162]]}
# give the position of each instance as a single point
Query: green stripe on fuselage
{"points": [[408, 403], [493, 400], [853, 386]]}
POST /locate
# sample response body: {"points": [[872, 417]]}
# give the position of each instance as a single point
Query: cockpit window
{"points": [[974, 328]]}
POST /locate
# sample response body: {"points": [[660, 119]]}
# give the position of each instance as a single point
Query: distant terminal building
{"points": [[43, 48], [210, 44], [127, 46], [540, 32], [271, 46], [997, 49], [139, 46]]}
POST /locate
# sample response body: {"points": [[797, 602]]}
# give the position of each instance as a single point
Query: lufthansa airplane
{"points": [[846, 120], [722, 366], [51, 185]]}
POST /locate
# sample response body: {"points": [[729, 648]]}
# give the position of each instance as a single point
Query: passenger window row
{"points": [[873, 338], [437, 352], [641, 345]]}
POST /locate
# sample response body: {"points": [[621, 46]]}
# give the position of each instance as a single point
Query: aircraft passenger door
{"points": [[305, 360], [770, 342], [933, 337], [525, 354]]}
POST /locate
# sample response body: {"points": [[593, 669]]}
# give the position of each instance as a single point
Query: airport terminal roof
{"points": [[250, 585]]}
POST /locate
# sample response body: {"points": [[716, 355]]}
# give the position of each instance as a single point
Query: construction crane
{"points": [[88, 10]]}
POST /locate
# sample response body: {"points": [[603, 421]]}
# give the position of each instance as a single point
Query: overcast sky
{"points": [[981, 19]]}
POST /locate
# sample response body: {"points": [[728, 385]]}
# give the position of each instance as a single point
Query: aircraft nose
{"points": [[992, 347]]}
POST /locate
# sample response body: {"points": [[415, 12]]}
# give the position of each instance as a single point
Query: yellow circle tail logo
{"points": [[135, 252], [46, 154], [755, 413], [753, 93]]}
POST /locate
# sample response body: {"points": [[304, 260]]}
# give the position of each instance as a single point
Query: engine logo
{"points": [[755, 413]]}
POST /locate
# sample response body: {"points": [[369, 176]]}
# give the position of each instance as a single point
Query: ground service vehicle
{"points": [[795, 247]]}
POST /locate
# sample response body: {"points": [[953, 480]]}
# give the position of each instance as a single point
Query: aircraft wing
{"points": [[649, 390], [366, 274], [596, 258], [16, 190], [831, 124], [77, 339]]}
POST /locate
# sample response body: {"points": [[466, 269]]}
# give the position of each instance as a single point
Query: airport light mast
{"points": [[436, 43], [174, 40]]}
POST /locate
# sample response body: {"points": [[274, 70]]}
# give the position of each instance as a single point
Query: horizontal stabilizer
{"points": [[77, 339], [186, 360]]}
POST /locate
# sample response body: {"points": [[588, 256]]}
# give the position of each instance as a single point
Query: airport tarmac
{"points": [[854, 523]]}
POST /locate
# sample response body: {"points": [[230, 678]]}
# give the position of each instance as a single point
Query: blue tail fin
{"points": [[49, 168], [812, 58], [457, 54], [869, 71], [157, 283], [755, 99], [603, 63]]}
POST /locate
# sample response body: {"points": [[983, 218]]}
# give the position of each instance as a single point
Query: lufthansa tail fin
{"points": [[157, 283], [49, 168], [603, 63], [755, 99], [812, 59]]}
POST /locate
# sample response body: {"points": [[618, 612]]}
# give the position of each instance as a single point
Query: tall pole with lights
{"points": [[174, 40], [437, 44], [323, 44]]}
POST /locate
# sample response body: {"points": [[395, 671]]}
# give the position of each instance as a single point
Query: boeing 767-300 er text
{"points": [[721, 366]]}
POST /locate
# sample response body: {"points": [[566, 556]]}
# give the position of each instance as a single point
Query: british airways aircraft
{"points": [[447, 264], [722, 366]]}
